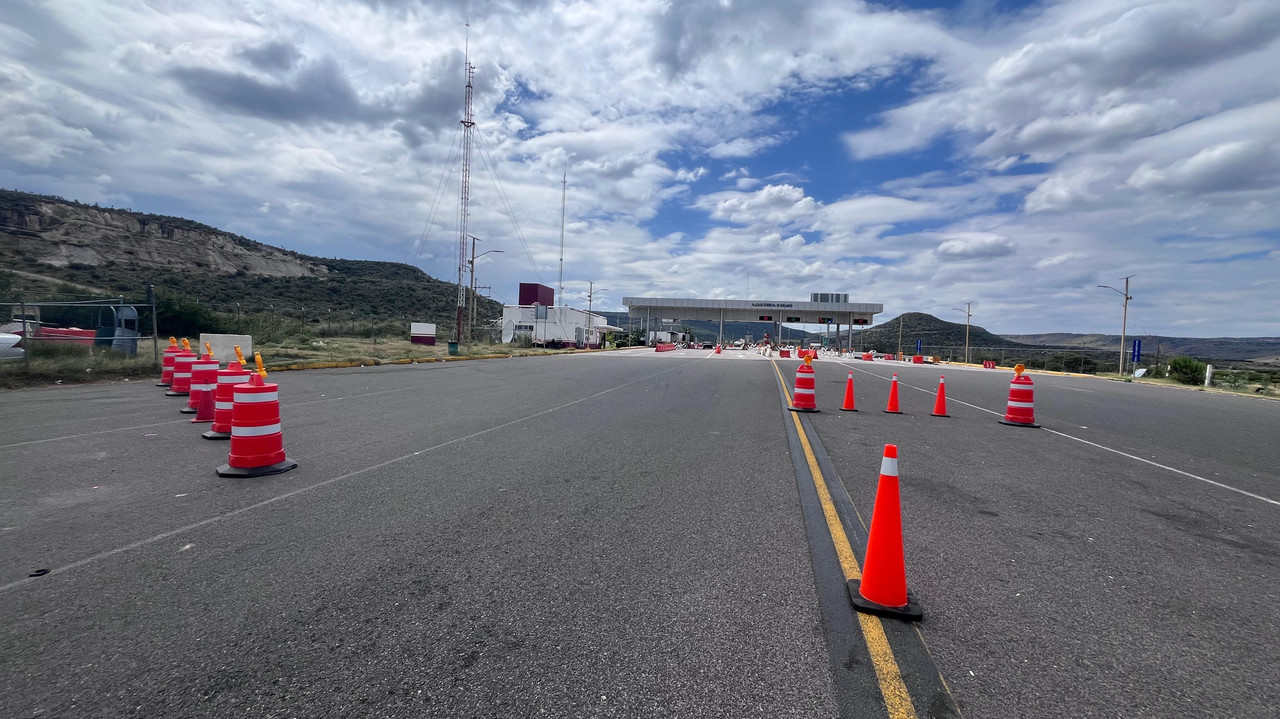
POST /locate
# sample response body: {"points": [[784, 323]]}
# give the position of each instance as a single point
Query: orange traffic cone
{"points": [[892, 408], [883, 587], [205, 406], [166, 367], [848, 405], [257, 444], [940, 404], [1022, 402], [805, 398]]}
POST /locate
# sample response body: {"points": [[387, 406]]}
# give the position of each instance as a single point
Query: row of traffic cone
{"points": [[939, 405], [240, 404], [805, 390], [1019, 413]]}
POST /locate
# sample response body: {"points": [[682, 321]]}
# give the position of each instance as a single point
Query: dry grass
{"points": [[70, 362], [348, 350]]}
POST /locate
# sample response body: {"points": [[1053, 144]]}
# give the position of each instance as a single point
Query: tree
{"points": [[1187, 370]]}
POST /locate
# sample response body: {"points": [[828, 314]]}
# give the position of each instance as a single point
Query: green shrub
{"points": [[1187, 370]]}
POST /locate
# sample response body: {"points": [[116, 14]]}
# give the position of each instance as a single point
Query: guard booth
{"points": [[118, 329]]}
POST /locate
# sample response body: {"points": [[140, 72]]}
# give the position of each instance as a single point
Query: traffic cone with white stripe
{"points": [[166, 366], [257, 444], [224, 399], [940, 404], [804, 397], [892, 407], [848, 405], [1021, 411], [883, 587]]}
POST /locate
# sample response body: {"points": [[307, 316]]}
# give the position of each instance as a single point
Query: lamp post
{"points": [[591, 296], [471, 269], [967, 314], [1124, 323]]}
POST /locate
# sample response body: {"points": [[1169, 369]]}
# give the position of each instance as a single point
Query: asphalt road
{"points": [[620, 534]]}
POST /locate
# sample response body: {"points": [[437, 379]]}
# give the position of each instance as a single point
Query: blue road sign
{"points": [[1137, 351], [918, 347]]}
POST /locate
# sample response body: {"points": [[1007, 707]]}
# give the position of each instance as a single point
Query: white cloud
{"points": [[1059, 259], [975, 245], [685, 175]]}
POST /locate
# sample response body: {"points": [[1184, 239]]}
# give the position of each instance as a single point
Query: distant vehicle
{"points": [[7, 349]]}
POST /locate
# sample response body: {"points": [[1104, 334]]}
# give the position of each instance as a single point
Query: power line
{"points": [[502, 197], [439, 195]]}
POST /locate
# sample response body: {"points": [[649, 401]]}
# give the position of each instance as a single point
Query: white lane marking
{"points": [[90, 434], [1164, 466], [205, 522], [1073, 389], [1099, 446]]}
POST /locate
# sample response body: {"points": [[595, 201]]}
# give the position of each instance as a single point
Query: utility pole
{"points": [[564, 195], [900, 318], [591, 320], [1124, 322], [464, 198], [967, 315]]}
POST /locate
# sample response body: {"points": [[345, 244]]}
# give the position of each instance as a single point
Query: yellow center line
{"points": [[896, 697]]}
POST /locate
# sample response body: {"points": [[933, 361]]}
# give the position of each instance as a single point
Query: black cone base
{"points": [[189, 410], [171, 393], [892, 411], [911, 613], [162, 384], [216, 435], [1017, 424], [227, 470], [802, 409], [842, 409], [934, 414]]}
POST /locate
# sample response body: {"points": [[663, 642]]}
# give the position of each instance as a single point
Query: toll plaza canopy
{"points": [[776, 311]]}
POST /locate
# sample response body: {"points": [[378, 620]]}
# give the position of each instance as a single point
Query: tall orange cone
{"points": [[883, 587], [848, 405], [892, 408], [804, 395], [257, 444], [940, 404], [166, 366], [1021, 411]]}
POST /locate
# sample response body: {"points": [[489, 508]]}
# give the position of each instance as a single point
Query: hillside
{"points": [[48, 242]]}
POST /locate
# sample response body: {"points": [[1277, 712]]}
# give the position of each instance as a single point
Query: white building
{"points": [[564, 326]]}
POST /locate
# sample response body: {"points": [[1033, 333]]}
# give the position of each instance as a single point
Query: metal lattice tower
{"points": [[464, 202]]}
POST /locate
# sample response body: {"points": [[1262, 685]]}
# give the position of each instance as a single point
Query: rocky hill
{"points": [[50, 244]]}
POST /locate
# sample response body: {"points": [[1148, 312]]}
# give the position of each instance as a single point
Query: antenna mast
{"points": [[564, 193], [464, 201]]}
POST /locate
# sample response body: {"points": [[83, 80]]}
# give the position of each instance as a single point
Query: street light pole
{"points": [[1124, 322], [591, 319], [967, 314], [471, 267]]}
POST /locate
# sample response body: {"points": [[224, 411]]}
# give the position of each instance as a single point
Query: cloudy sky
{"points": [[917, 153]]}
